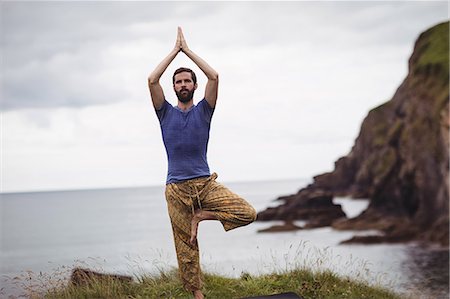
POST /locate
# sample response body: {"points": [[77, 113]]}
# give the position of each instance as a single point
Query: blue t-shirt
{"points": [[185, 135]]}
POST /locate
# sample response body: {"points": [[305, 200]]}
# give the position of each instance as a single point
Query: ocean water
{"points": [[127, 231]]}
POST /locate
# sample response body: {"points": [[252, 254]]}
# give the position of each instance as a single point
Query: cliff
{"points": [[400, 159]]}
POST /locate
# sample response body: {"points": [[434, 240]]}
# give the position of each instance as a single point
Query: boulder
{"points": [[285, 227], [312, 205], [83, 277]]}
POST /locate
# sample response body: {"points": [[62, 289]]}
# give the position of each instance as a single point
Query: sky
{"points": [[296, 81]]}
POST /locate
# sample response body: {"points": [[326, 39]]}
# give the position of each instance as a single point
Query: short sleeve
{"points": [[205, 109], [161, 112]]}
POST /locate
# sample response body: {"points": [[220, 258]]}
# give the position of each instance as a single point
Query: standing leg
{"points": [[187, 253]]}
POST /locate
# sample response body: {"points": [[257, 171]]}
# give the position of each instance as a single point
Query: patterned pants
{"points": [[206, 194]]}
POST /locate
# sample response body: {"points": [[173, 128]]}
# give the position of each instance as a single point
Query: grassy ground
{"points": [[305, 283], [293, 273]]}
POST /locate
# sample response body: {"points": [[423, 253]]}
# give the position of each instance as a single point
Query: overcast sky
{"points": [[296, 81]]}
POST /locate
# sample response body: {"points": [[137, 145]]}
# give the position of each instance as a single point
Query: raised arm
{"points": [[211, 90], [156, 91]]}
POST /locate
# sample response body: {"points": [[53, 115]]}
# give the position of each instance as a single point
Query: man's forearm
{"points": [[159, 70], [213, 77], [156, 91], [211, 90], [210, 73]]}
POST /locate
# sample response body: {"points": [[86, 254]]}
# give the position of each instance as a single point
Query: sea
{"points": [[45, 234]]}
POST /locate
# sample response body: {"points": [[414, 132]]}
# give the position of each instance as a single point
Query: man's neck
{"points": [[185, 106]]}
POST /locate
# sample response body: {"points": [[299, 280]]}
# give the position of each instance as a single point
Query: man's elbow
{"points": [[214, 76], [152, 80]]}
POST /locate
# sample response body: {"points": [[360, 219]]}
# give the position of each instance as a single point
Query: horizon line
{"points": [[304, 179]]}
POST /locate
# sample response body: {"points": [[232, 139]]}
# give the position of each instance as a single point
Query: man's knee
{"points": [[251, 214]]}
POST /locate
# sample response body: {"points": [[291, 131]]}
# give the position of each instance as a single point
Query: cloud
{"points": [[296, 81], [75, 54]]}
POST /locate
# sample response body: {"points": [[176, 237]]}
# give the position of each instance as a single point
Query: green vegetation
{"points": [[434, 48], [306, 283]]}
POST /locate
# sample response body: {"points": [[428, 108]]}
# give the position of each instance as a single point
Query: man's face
{"points": [[184, 87]]}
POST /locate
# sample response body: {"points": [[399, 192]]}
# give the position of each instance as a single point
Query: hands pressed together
{"points": [[156, 91], [181, 44]]}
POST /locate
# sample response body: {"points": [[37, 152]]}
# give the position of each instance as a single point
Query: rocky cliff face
{"points": [[400, 160]]}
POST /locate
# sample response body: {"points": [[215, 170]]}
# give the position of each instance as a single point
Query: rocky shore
{"points": [[400, 161]]}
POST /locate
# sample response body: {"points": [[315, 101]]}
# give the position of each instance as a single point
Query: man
{"points": [[192, 193]]}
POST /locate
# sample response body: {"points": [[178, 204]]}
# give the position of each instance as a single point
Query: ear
{"points": [[195, 86]]}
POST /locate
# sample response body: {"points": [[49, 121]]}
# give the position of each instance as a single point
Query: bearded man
{"points": [[192, 192]]}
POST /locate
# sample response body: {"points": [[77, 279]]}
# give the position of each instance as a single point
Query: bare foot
{"points": [[198, 294]]}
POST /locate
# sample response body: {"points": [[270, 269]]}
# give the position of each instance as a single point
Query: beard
{"points": [[186, 97]]}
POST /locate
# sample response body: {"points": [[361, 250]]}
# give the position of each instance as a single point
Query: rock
{"points": [[400, 159], [285, 227], [313, 205], [396, 236], [370, 220], [438, 233], [402, 154], [364, 240], [83, 277]]}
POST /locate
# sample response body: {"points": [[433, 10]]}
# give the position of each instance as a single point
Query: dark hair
{"points": [[185, 69]]}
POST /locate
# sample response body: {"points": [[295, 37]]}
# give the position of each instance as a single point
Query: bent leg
{"points": [[229, 208]]}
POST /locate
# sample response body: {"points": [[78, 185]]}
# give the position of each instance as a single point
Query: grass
{"points": [[435, 44], [304, 269], [166, 284]]}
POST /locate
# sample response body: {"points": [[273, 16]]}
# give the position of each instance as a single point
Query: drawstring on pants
{"points": [[197, 195], [191, 187]]}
